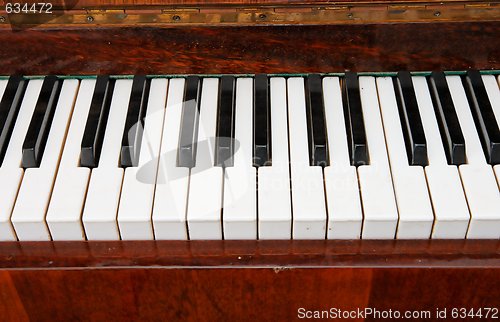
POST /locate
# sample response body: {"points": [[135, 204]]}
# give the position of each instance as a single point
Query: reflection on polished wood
{"points": [[225, 281], [289, 253]]}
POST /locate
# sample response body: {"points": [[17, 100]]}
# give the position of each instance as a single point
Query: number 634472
{"points": [[37, 7]]}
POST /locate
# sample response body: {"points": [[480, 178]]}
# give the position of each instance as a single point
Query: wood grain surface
{"points": [[241, 281], [260, 294], [262, 49]]}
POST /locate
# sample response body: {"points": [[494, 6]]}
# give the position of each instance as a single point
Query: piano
{"points": [[232, 160]]}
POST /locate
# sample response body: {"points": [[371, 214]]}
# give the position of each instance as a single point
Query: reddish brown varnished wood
{"points": [[258, 49], [260, 294], [426, 253], [228, 281]]}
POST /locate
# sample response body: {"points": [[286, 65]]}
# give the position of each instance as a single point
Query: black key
{"points": [[353, 115], [134, 123], [411, 123], [316, 127], [484, 116], [96, 122], [449, 127], [225, 123], [38, 131], [9, 109], [186, 156], [261, 122]]}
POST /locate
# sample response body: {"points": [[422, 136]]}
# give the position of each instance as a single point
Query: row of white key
{"points": [[158, 200]]}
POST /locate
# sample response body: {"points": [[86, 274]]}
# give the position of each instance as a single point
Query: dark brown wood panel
{"points": [[262, 49]]}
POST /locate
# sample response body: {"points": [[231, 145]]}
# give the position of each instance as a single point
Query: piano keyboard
{"points": [[239, 157]]}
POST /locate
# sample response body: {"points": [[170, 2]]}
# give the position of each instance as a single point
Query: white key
{"points": [[345, 216], [274, 200], [239, 215], [206, 180], [6, 230], [410, 187], [451, 214], [3, 85], [136, 201], [478, 179], [377, 192], [103, 196], [308, 195], [11, 172], [70, 188], [493, 91], [34, 195], [170, 199]]}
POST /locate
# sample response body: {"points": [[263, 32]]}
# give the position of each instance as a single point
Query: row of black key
{"points": [[97, 119], [411, 123], [414, 137]]}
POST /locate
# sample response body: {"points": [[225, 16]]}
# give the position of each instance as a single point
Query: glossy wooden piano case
{"points": [[248, 280]]}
